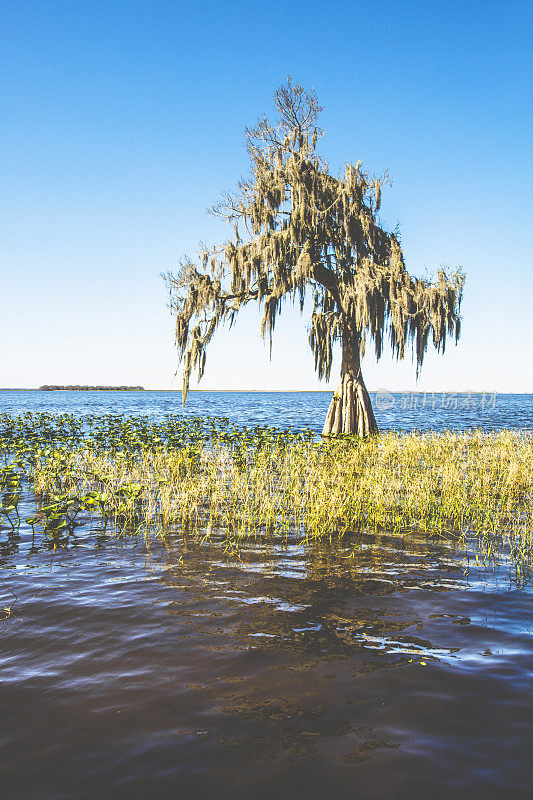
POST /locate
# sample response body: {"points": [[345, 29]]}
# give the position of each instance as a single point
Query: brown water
{"points": [[374, 668]]}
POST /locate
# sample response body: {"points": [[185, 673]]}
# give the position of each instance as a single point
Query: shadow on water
{"points": [[377, 667]]}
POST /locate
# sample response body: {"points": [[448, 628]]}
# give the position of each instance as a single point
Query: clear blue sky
{"points": [[123, 121]]}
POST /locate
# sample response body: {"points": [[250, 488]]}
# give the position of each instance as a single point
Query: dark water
{"points": [[386, 667]]}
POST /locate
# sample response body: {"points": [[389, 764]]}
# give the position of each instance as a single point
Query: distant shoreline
{"points": [[54, 388], [250, 391]]}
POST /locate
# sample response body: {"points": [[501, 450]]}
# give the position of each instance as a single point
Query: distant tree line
{"points": [[53, 387]]}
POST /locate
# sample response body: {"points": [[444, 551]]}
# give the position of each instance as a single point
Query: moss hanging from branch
{"points": [[298, 228]]}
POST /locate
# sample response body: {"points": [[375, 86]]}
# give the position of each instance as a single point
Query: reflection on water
{"points": [[376, 668]]}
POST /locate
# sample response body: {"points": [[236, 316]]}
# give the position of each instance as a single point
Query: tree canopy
{"points": [[297, 228]]}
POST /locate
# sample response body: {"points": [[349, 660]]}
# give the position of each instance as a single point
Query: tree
{"points": [[299, 229]]}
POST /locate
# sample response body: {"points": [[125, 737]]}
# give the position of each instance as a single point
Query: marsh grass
{"points": [[203, 476]]}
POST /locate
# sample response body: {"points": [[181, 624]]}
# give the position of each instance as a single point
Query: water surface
{"points": [[385, 666], [407, 411]]}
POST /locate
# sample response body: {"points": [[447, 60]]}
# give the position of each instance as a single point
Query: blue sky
{"points": [[123, 121]]}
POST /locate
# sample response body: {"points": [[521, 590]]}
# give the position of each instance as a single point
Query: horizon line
{"points": [[267, 391]]}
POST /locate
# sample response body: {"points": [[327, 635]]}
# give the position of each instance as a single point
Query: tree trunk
{"points": [[350, 410]]}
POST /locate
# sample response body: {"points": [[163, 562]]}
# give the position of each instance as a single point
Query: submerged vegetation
{"points": [[205, 475]]}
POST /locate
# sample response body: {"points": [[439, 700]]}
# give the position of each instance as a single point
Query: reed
{"points": [[205, 476]]}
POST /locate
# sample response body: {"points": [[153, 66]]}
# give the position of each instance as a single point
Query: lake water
{"points": [[384, 667], [407, 411]]}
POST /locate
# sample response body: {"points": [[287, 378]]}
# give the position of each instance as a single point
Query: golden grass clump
{"points": [[453, 483], [206, 476]]}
